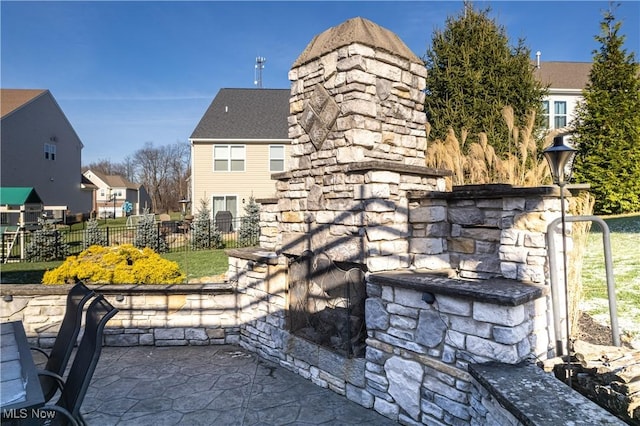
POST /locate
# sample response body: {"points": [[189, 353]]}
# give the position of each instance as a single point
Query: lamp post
{"points": [[560, 159], [183, 204]]}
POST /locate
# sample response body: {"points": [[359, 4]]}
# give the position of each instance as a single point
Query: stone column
{"points": [[358, 143]]}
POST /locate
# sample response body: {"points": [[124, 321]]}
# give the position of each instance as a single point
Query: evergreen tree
{"points": [[93, 235], [607, 125], [472, 74], [46, 244], [203, 234], [249, 232], [148, 234]]}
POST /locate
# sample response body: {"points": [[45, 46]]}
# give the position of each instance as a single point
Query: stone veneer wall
{"points": [[156, 315], [483, 231], [418, 351]]}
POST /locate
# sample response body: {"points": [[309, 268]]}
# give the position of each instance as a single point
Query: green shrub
{"points": [[46, 245], [203, 234], [249, 232], [148, 235], [124, 264], [93, 235]]}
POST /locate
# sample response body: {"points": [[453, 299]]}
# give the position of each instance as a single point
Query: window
{"points": [[225, 203], [276, 158], [545, 113], [560, 114], [228, 158], [49, 151]]}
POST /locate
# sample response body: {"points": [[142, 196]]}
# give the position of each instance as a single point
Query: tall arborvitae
{"points": [[249, 232], [204, 234], [472, 74], [608, 125], [93, 235], [148, 234], [46, 244]]}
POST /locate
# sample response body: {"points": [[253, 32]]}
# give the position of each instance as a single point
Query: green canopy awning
{"points": [[18, 196]]}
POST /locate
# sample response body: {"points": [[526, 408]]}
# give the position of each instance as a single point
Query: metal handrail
{"points": [[611, 290]]}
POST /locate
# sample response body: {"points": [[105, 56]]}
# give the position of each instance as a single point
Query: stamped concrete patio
{"points": [[209, 385]]}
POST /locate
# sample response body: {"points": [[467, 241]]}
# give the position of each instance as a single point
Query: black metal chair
{"points": [[58, 357], [74, 388]]}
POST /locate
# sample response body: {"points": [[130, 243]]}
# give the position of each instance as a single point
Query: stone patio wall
{"points": [[152, 315], [483, 231]]}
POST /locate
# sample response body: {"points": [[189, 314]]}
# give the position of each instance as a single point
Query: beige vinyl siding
{"points": [[256, 179]]}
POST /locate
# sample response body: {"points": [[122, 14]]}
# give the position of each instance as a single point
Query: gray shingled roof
{"points": [[246, 114]]}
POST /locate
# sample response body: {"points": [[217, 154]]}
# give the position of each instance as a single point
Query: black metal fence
{"points": [[169, 236]]}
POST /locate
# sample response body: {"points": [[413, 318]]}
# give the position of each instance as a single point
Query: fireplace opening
{"points": [[326, 303]]}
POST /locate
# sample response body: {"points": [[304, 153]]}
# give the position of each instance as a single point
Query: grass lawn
{"points": [[195, 264], [625, 243], [202, 263], [625, 248]]}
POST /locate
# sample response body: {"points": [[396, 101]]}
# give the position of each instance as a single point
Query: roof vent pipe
{"points": [[226, 108], [538, 53]]}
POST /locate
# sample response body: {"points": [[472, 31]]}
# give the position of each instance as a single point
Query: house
{"points": [[243, 136], [40, 149], [239, 142], [115, 196], [566, 81]]}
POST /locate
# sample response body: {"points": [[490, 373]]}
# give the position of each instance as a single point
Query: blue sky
{"points": [[127, 73]]}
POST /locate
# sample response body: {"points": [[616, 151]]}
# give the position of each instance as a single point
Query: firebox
{"points": [[326, 303]]}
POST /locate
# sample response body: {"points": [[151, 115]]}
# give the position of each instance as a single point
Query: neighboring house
{"points": [[115, 196], [240, 141], [243, 136], [40, 149], [566, 81]]}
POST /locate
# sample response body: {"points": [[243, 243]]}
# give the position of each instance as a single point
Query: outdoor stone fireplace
{"points": [[326, 303], [395, 283]]}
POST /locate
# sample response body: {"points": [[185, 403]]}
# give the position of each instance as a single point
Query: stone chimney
{"points": [[357, 126]]}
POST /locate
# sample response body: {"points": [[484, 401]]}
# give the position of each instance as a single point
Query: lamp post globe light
{"points": [[560, 158]]}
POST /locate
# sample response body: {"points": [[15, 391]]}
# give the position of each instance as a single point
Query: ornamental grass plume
{"points": [[124, 264]]}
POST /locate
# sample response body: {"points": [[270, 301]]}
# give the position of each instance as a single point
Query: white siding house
{"points": [[566, 81], [112, 192]]}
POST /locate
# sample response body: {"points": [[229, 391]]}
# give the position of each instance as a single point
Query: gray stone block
{"points": [[359, 396], [169, 333], [121, 340], [196, 334], [376, 316], [405, 378], [431, 329]]}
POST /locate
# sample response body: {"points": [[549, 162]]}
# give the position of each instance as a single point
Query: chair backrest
{"points": [[84, 364], [66, 338]]}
